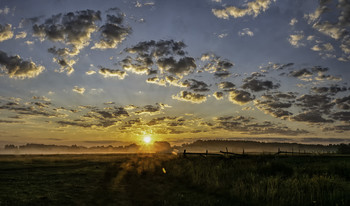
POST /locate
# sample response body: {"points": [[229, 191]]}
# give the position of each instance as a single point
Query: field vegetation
{"points": [[162, 179]]}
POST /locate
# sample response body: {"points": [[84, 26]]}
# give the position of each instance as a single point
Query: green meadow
{"points": [[162, 179]]}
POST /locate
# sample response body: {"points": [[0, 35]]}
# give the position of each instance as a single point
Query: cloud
{"points": [[141, 66], [326, 25], [66, 65], [320, 103], [150, 109], [310, 117], [248, 125], [338, 128], [21, 35], [341, 116], [5, 32], [63, 52], [240, 97], [106, 72], [301, 73], [160, 120], [306, 74], [332, 90], [156, 80], [181, 67], [343, 102], [195, 85], [293, 21], [86, 125], [37, 110], [79, 90], [223, 35], [295, 39], [275, 105], [257, 85], [17, 68], [190, 97], [43, 98], [323, 47], [158, 49], [253, 8], [5, 10], [10, 121], [227, 86], [29, 42], [112, 33], [245, 32], [218, 95], [215, 65], [167, 55], [73, 28], [90, 72]]}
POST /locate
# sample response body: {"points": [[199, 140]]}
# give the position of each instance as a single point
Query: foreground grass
{"points": [[170, 180]]}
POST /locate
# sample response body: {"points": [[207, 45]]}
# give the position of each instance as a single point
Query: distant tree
{"points": [[344, 149], [10, 146]]}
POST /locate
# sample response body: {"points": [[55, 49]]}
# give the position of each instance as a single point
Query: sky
{"points": [[94, 72]]}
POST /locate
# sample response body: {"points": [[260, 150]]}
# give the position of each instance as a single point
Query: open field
{"points": [[171, 180]]}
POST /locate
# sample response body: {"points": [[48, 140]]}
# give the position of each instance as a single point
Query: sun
{"points": [[147, 139]]}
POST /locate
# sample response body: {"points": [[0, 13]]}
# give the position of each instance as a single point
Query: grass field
{"points": [[171, 180]]}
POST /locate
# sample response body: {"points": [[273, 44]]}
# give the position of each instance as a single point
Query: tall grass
{"points": [[268, 181]]}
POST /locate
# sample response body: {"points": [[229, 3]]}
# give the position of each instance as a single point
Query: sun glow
{"points": [[147, 139]]}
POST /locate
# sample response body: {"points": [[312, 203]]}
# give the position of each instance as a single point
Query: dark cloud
{"points": [[158, 49], [332, 90], [5, 32], [106, 72], [73, 28], [150, 109], [226, 85], [195, 85], [218, 95], [222, 74], [216, 65], [181, 67], [160, 120], [289, 95], [140, 65], [338, 128], [311, 117], [341, 116], [300, 73], [257, 85], [247, 125], [103, 124], [31, 110], [277, 66], [343, 103], [115, 113], [169, 57], [15, 67], [240, 97], [275, 106], [190, 97], [321, 103], [66, 65], [113, 32], [10, 121]]}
